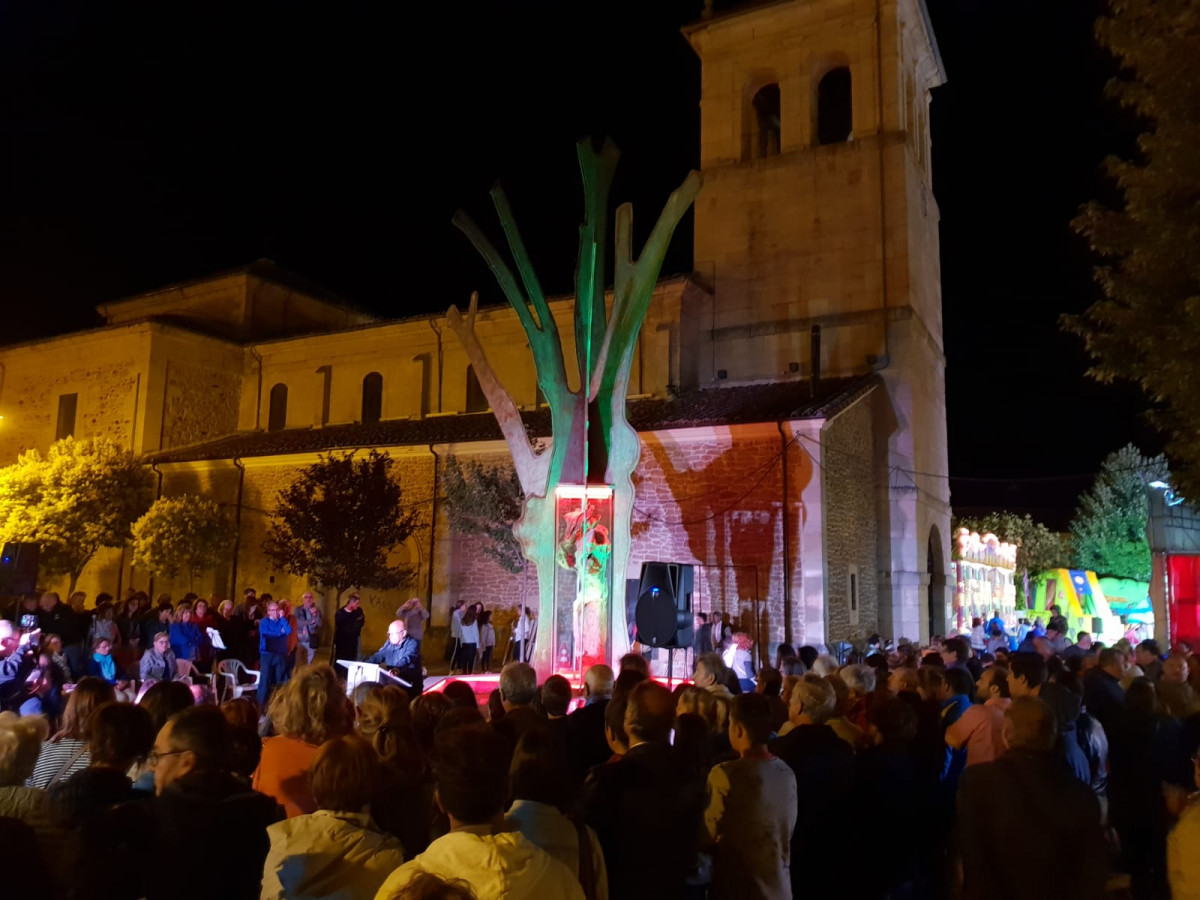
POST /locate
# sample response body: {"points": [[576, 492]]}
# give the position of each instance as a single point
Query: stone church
{"points": [[789, 393]]}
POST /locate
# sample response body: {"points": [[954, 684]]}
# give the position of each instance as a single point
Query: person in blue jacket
{"points": [[273, 634], [186, 636]]}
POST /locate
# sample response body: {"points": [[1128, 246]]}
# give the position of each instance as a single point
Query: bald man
{"points": [[645, 778], [401, 655], [585, 727]]}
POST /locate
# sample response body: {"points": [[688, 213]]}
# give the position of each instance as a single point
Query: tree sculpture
{"points": [[79, 497], [187, 534], [592, 439]]}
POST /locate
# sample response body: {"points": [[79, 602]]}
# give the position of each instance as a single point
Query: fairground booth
{"points": [[983, 568], [1173, 529]]}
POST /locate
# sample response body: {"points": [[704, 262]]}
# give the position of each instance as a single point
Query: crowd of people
{"points": [[1045, 772]]}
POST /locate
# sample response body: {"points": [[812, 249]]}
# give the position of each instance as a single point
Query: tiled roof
{"points": [[736, 405]]}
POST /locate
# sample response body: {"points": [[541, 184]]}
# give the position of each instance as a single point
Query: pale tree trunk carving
{"points": [[604, 348]]}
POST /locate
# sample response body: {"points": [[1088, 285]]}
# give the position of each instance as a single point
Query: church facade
{"points": [[789, 393]]}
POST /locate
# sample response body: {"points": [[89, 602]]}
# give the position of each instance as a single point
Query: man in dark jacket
{"points": [[518, 688], [824, 768], [348, 624], [401, 655], [641, 807], [585, 727], [1102, 691], [1028, 792], [196, 794], [1028, 679]]}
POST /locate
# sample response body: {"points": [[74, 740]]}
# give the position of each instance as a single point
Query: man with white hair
{"points": [[824, 768], [308, 625], [401, 655]]}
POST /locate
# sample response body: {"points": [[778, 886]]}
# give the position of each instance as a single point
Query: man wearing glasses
{"points": [[273, 634]]}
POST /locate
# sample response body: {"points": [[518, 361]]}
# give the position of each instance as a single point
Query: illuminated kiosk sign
{"points": [[984, 567], [583, 577]]}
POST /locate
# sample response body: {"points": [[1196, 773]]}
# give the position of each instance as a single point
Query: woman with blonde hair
{"points": [[66, 752], [402, 802], [21, 739], [305, 712], [337, 850]]}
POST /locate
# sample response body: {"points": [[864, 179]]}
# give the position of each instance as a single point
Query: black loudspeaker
{"points": [[18, 569], [664, 607]]}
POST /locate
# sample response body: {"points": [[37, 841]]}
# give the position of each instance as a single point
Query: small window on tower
{"points": [[835, 119], [766, 122], [852, 596], [372, 398], [476, 400]]}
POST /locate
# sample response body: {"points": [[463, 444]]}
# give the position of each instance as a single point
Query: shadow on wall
{"points": [[720, 508]]}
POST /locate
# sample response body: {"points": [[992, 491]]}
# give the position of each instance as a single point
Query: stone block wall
{"points": [[201, 403], [848, 476]]}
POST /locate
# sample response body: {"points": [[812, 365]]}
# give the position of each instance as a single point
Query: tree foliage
{"points": [[1108, 533], [1038, 548], [183, 534], [338, 521], [485, 502], [79, 497], [1146, 329]]}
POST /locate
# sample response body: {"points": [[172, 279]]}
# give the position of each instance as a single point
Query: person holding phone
{"points": [[17, 658]]}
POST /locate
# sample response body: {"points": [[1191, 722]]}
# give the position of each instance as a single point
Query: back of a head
{"points": [[1030, 667], [651, 712], [310, 707], [427, 710], [240, 713], [1110, 657], [164, 699], [119, 734], [460, 694], [792, 665], [893, 719], [381, 717], [906, 679], [614, 717], [90, 693], [344, 774], [959, 647], [21, 740], [808, 655], [1150, 646], [206, 732], [635, 662], [470, 771], [814, 696], [753, 713], [771, 680], [960, 682], [841, 694], [626, 682], [599, 680], [930, 679], [1141, 697], [1030, 724], [858, 678], [518, 684], [427, 886], [824, 665], [556, 696], [363, 690], [540, 770]]}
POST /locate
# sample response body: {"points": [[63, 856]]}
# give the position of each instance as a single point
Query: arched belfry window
{"points": [[372, 398], [277, 417], [835, 119], [765, 122], [476, 400]]}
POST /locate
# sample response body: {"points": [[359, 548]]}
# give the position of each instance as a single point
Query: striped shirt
{"points": [[53, 756]]}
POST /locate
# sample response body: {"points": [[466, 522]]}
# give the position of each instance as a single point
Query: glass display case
{"points": [[583, 577]]}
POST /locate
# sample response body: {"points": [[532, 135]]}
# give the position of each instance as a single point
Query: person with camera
{"points": [[17, 659]]}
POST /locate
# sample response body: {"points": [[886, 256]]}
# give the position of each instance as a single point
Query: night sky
{"points": [[147, 143]]}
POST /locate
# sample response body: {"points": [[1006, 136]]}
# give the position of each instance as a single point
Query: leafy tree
{"points": [[485, 502], [1147, 327], [1038, 548], [79, 497], [182, 534], [338, 521], [1108, 533]]}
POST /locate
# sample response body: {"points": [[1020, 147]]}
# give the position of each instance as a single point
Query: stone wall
{"points": [[847, 473], [201, 403]]}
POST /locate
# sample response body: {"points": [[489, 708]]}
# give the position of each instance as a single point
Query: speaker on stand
{"points": [[664, 608]]}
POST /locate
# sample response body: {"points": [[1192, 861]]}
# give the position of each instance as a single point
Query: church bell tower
{"points": [[817, 210]]}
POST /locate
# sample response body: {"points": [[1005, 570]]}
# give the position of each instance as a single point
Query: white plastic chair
{"points": [[233, 669], [189, 673]]}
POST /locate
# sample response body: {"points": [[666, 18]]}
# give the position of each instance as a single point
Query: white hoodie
{"points": [[502, 866]]}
